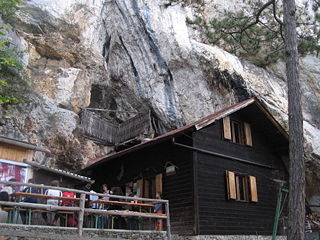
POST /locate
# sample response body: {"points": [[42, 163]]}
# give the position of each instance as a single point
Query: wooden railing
{"points": [[82, 210], [100, 129]]}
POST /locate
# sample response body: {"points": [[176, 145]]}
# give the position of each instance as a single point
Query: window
{"points": [[236, 131], [237, 134], [241, 187]]}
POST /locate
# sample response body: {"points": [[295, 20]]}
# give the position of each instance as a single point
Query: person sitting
{"points": [[72, 219], [4, 196], [56, 193], [10, 189], [29, 199]]}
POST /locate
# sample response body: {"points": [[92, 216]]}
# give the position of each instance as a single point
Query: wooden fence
{"points": [[100, 129], [82, 210]]}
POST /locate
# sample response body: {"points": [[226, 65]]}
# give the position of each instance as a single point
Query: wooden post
{"points": [[168, 221], [277, 215], [81, 213]]}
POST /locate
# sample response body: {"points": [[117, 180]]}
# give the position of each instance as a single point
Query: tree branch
{"points": [[257, 19], [274, 9]]}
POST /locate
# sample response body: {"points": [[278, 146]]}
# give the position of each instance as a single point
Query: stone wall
{"points": [[226, 237], [60, 233]]}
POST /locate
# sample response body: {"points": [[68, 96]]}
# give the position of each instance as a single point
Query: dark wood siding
{"points": [[217, 214], [178, 189], [147, 162]]}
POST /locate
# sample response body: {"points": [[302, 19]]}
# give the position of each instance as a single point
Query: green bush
{"points": [[13, 79]]}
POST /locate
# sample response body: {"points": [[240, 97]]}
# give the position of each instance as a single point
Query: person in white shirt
{"points": [[52, 220]]}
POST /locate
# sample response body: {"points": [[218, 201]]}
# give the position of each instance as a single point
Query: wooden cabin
{"points": [[219, 173], [16, 161], [13, 154]]}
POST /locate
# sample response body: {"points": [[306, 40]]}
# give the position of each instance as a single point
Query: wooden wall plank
{"points": [[12, 153], [217, 214]]}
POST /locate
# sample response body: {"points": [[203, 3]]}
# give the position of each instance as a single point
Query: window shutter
{"points": [[226, 128], [253, 189], [140, 188], [247, 133], [159, 183], [231, 185], [146, 191]]}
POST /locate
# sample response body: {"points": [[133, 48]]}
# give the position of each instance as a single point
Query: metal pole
{"points": [[168, 221], [81, 213], [277, 215]]}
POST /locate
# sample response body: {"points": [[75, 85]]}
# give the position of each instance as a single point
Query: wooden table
{"points": [[20, 195], [38, 195], [122, 203], [109, 202]]}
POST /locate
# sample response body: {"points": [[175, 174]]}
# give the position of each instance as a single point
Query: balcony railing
{"points": [[79, 209], [102, 130]]}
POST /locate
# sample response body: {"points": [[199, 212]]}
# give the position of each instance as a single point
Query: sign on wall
{"points": [[10, 169]]}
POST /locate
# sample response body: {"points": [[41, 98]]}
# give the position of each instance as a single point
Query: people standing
{"points": [[103, 220], [86, 188], [133, 222], [119, 222], [158, 208]]}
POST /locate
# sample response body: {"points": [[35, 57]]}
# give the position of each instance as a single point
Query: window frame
{"points": [[239, 126], [248, 193], [229, 127]]}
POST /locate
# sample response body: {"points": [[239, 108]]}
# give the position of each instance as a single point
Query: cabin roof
{"points": [[60, 172], [197, 125], [23, 144]]}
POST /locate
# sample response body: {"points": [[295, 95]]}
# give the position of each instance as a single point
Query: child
{"points": [[158, 208]]}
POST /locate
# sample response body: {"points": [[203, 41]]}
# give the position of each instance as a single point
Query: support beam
{"points": [[81, 213]]}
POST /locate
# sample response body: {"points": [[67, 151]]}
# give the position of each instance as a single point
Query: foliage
{"points": [[184, 2], [8, 8], [255, 33], [13, 79], [5, 98]]}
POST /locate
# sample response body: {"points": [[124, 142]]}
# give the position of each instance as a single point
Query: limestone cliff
{"points": [[137, 55]]}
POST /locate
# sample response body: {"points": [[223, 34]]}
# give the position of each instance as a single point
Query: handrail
{"points": [[81, 209], [41, 186]]}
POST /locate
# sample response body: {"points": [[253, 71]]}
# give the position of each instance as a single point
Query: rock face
{"points": [[137, 55]]}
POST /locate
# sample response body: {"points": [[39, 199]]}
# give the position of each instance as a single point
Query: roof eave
{"points": [[21, 144]]}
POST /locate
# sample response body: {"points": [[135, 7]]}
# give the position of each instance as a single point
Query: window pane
{"points": [[237, 132]]}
